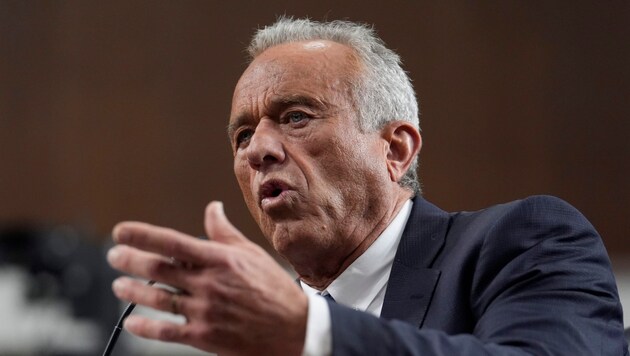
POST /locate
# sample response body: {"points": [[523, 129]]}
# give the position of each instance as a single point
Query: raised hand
{"points": [[236, 299]]}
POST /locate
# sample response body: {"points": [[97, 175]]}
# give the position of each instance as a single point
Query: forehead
{"points": [[315, 69]]}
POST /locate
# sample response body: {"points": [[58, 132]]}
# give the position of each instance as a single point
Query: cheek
{"points": [[354, 156], [242, 173], [360, 168]]}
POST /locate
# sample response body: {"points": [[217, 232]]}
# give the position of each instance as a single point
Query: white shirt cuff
{"points": [[318, 328]]}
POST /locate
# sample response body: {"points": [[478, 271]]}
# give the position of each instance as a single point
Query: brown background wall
{"points": [[114, 110]]}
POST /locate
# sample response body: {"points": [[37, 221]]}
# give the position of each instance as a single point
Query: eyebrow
{"points": [[274, 106], [300, 100]]}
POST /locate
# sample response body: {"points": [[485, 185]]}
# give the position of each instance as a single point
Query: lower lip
{"points": [[275, 202]]}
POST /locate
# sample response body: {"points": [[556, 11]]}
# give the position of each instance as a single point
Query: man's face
{"points": [[311, 179]]}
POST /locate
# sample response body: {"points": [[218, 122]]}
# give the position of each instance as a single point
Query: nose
{"points": [[265, 146]]}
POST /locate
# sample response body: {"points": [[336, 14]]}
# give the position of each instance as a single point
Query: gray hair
{"points": [[382, 93]]}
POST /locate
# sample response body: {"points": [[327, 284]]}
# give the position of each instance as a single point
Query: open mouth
{"points": [[272, 189]]}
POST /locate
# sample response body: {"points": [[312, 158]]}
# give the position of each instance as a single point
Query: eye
{"points": [[243, 136], [295, 117]]}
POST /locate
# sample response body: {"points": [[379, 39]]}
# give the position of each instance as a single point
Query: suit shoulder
{"points": [[525, 223], [543, 204], [535, 209], [534, 203]]}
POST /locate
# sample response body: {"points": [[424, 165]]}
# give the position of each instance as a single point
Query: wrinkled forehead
{"points": [[312, 66]]}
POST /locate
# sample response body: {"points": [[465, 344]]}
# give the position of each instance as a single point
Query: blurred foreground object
{"points": [[55, 297]]}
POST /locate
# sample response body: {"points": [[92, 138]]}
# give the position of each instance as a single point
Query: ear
{"points": [[403, 144]]}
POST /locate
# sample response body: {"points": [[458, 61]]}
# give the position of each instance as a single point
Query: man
{"points": [[324, 130]]}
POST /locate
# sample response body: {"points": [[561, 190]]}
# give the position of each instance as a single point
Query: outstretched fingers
{"points": [[164, 241], [158, 329], [157, 298], [148, 265]]}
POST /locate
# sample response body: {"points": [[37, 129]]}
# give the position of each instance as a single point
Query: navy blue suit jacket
{"points": [[530, 277]]}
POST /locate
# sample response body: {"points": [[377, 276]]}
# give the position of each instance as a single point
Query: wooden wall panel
{"points": [[116, 110]]}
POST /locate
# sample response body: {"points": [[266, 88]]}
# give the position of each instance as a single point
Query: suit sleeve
{"points": [[542, 285]]}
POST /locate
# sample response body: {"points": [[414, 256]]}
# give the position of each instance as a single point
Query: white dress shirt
{"points": [[361, 286]]}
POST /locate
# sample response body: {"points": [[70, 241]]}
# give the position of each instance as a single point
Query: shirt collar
{"points": [[359, 284]]}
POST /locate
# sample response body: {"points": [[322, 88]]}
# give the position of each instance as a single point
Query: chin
{"points": [[284, 242], [302, 247]]}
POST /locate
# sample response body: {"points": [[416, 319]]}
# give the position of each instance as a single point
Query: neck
{"points": [[321, 276]]}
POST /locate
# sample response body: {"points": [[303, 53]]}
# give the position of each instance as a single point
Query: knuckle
{"points": [[236, 263], [206, 286], [156, 268], [161, 300], [209, 285], [231, 261], [208, 311], [166, 333], [174, 247], [206, 331], [186, 336]]}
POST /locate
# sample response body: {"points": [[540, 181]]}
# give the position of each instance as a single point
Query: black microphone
{"points": [[129, 308], [118, 328]]}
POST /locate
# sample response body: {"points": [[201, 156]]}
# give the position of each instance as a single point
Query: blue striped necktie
{"points": [[329, 297]]}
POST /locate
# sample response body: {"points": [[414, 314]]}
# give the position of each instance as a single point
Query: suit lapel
{"points": [[412, 282]]}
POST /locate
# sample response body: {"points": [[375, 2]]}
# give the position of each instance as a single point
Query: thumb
{"points": [[218, 227]]}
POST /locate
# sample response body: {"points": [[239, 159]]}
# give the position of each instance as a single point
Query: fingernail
{"points": [[215, 208], [130, 322], [113, 255], [118, 286], [122, 236]]}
